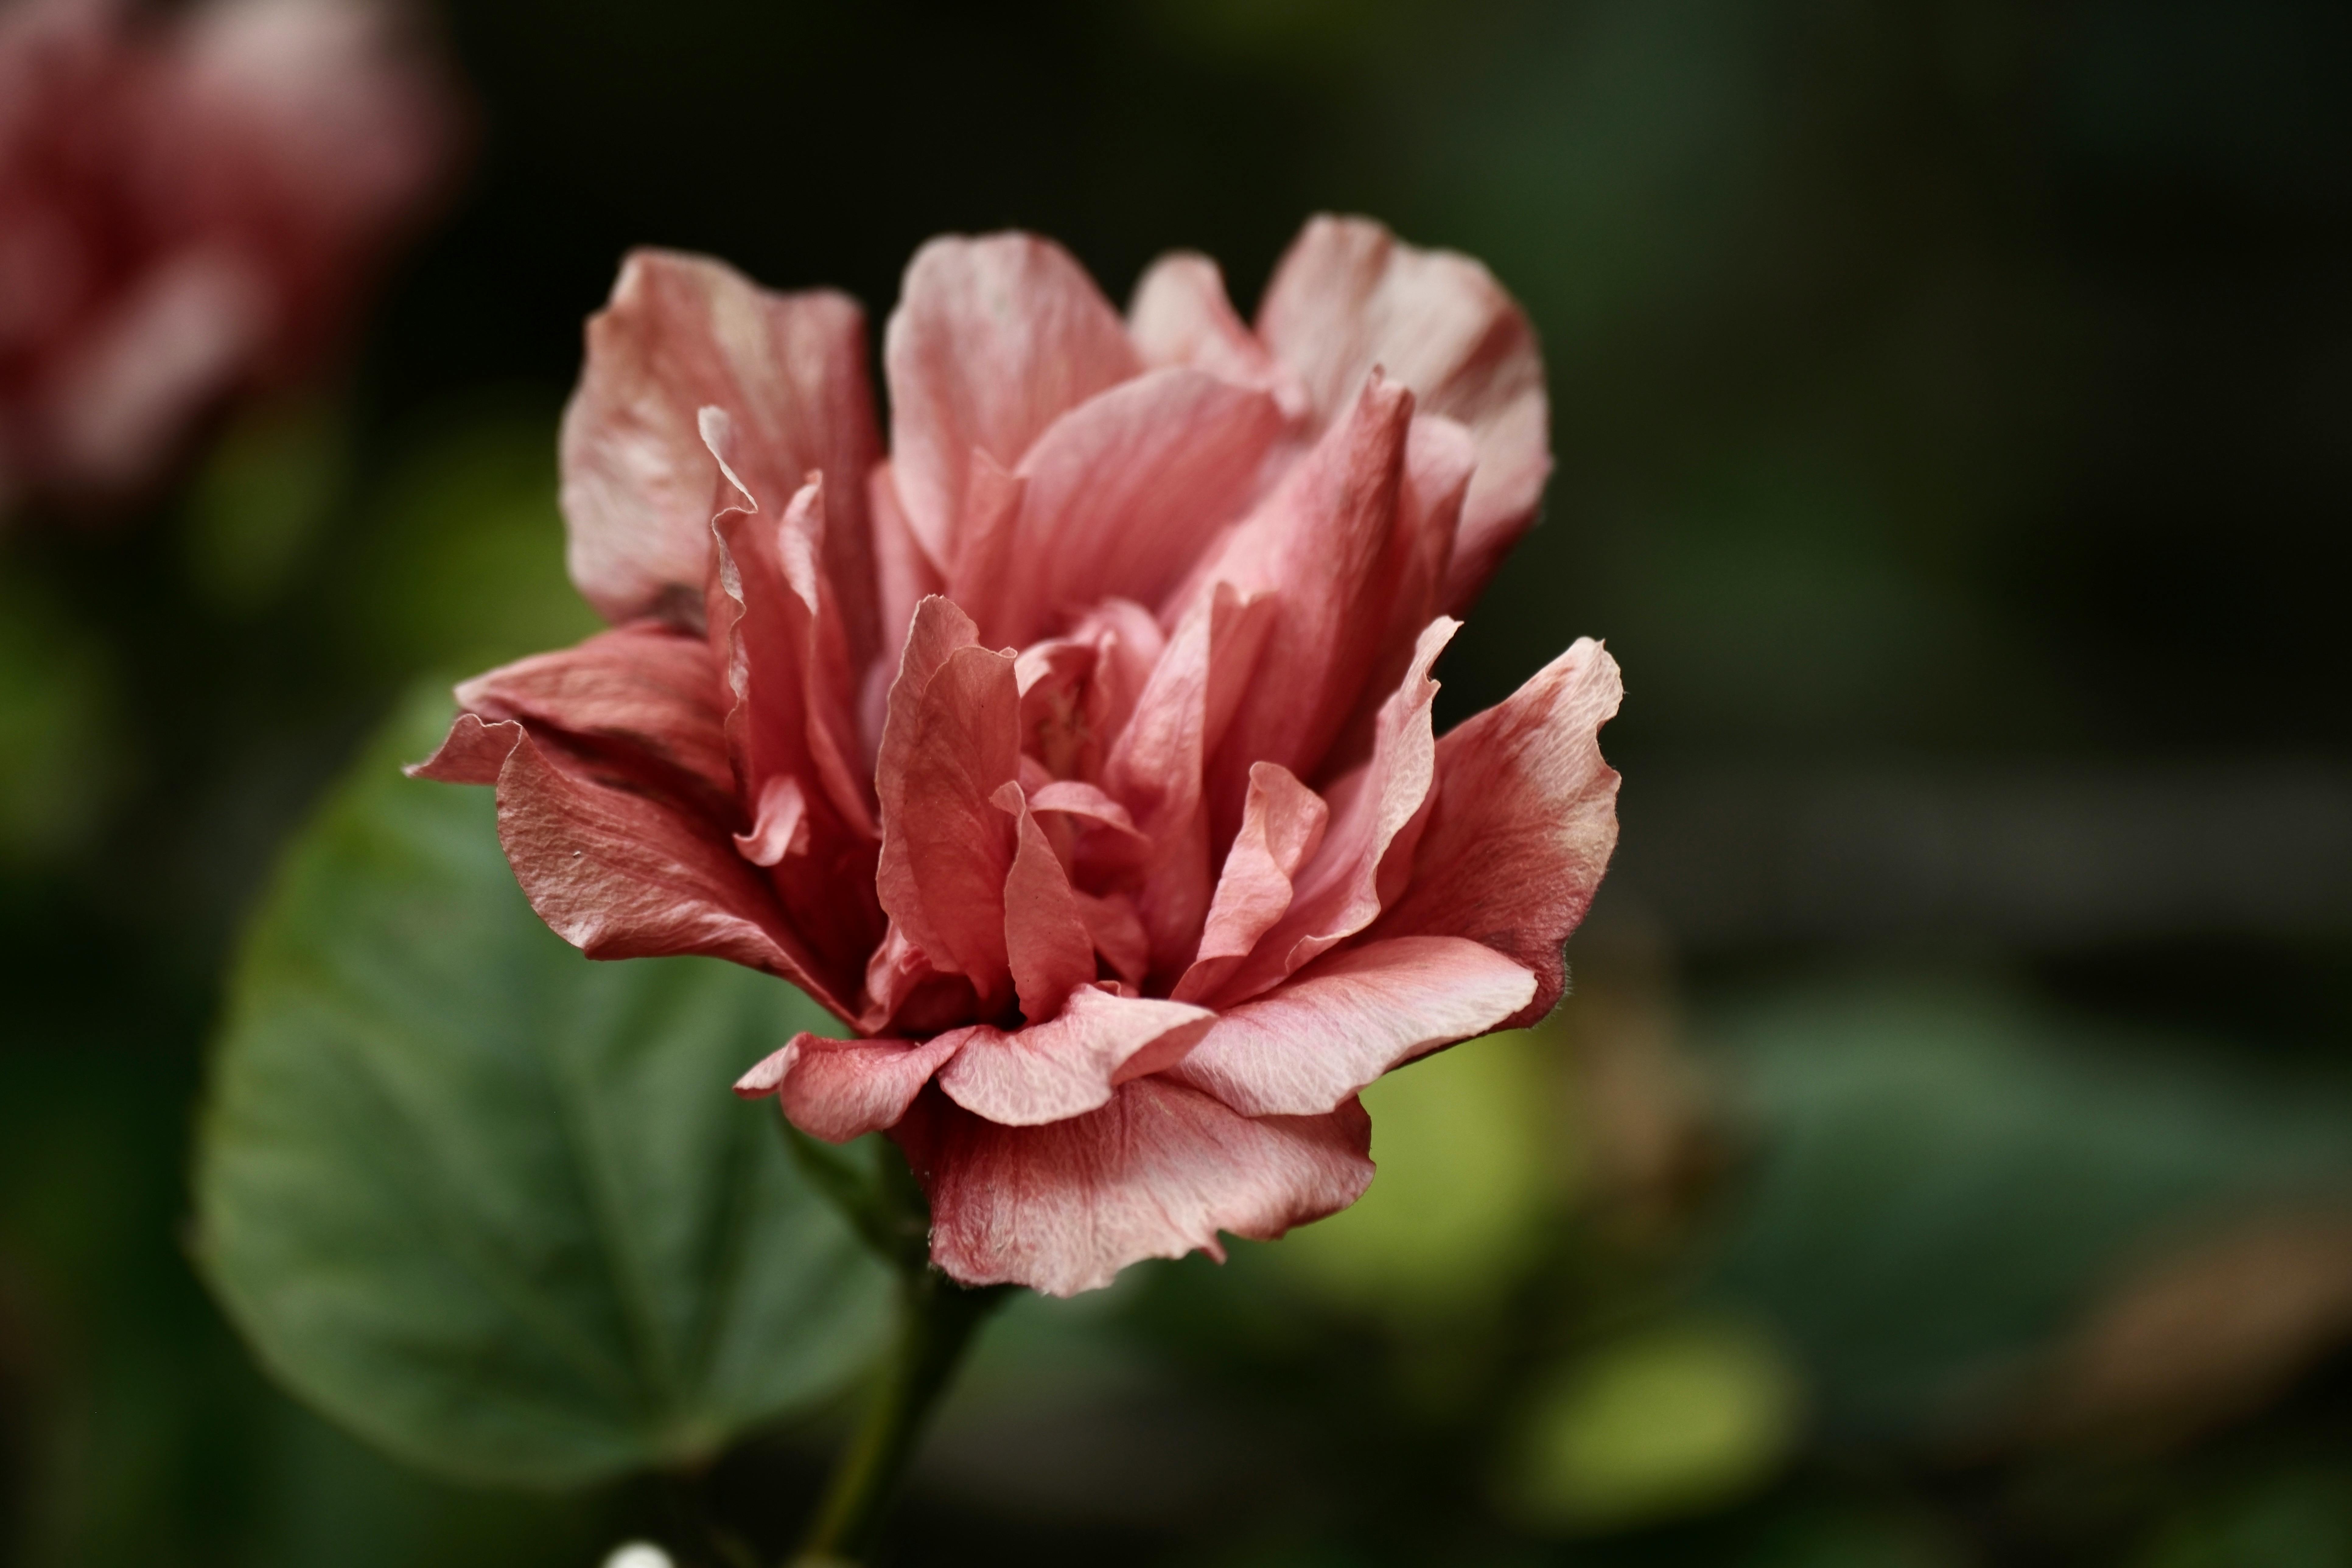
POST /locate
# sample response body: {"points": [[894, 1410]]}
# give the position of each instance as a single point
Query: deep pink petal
{"points": [[1282, 827], [992, 339], [1348, 296], [904, 576], [620, 870], [840, 1089], [1069, 1065], [1045, 941], [645, 688], [1157, 1172], [1156, 767], [949, 743], [682, 332], [1179, 315], [1523, 819], [1378, 814], [1324, 543], [1341, 1022]]}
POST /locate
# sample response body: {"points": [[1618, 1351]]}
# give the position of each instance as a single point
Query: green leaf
{"points": [[489, 1204]]}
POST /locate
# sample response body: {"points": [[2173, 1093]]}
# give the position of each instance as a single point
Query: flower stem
{"points": [[936, 1320]]}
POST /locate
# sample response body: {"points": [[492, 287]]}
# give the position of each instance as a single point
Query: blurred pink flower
{"points": [[190, 205], [1077, 754]]}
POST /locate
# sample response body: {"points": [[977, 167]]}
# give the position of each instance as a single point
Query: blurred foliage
{"points": [[1936, 386]]}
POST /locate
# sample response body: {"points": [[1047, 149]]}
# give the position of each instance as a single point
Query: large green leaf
{"points": [[487, 1203]]}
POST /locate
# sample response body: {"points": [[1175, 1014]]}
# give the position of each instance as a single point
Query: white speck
{"points": [[638, 1555]]}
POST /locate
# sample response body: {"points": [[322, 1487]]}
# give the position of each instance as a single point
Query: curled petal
{"points": [[1068, 1064], [1348, 296], [1045, 941], [682, 332], [1522, 823], [1156, 1173], [840, 1089], [1340, 1023], [1282, 827]]}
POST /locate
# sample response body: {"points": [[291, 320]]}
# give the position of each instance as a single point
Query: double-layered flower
{"points": [[1076, 754], [191, 205]]}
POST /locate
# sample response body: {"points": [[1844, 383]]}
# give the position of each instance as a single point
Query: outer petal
{"points": [[621, 869], [840, 1089], [950, 743], [1179, 315], [992, 339], [642, 688], [1525, 817], [1157, 1172], [1338, 1025], [1348, 296], [681, 333], [1068, 1066]]}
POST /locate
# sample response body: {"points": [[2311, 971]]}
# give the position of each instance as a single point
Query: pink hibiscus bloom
{"points": [[189, 207], [1076, 755]]}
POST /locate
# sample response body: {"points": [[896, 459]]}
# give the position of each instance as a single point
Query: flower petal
{"points": [[1523, 820], [1179, 315], [1157, 1172], [1323, 542], [644, 688], [951, 742], [1282, 826], [619, 869], [840, 1089], [681, 333], [1068, 1064], [1350, 296], [1045, 939], [1340, 1023], [993, 338], [1126, 491]]}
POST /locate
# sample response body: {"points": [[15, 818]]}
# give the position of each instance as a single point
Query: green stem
{"points": [[936, 1320]]}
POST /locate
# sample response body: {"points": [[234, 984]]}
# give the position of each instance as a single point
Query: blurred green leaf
{"points": [[257, 506], [58, 723], [1665, 1421], [489, 1205], [1465, 1140]]}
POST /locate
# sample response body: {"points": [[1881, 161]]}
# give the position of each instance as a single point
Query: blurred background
{"points": [[1945, 1156]]}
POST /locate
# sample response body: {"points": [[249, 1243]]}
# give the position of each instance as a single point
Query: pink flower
{"points": [[188, 207], [1077, 754]]}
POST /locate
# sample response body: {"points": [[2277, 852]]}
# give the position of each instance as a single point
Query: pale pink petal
{"points": [[951, 742], [1157, 1172], [840, 1089], [1045, 939], [1349, 297], [1523, 819], [1323, 542], [779, 826], [1125, 492], [1282, 827], [1075, 797], [1068, 1064], [904, 577], [619, 870], [1179, 315], [682, 332], [643, 688], [993, 338], [1341, 1022]]}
